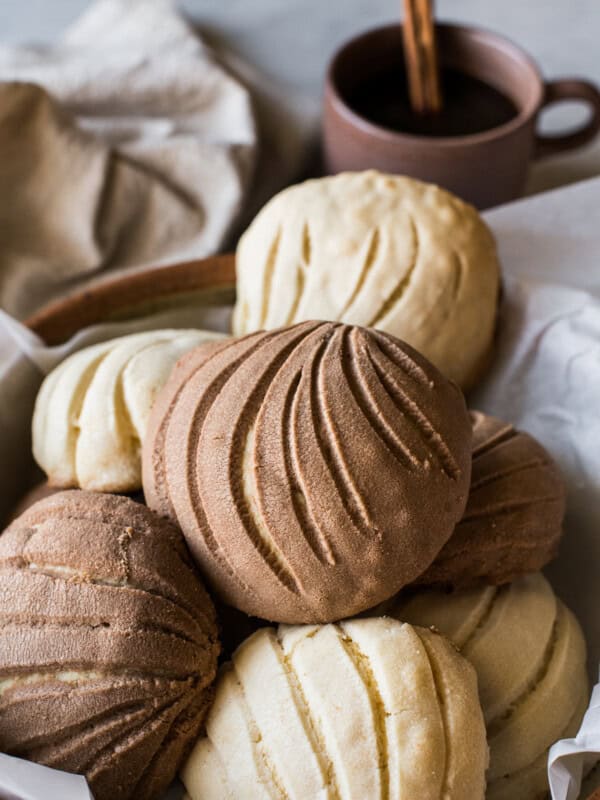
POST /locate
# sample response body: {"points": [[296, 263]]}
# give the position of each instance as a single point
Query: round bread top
{"points": [[367, 708], [513, 521], [314, 470], [377, 250], [92, 410], [39, 492], [529, 654], [108, 643]]}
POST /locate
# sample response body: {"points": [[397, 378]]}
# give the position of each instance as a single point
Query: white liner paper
{"points": [[22, 780], [545, 379], [570, 758]]}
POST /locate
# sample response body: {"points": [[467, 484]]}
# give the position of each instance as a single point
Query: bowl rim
{"points": [[61, 318]]}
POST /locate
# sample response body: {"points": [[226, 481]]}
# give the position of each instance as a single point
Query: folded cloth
{"points": [[139, 149]]}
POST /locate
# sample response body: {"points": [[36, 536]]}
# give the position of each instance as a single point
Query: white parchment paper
{"points": [[22, 780], [545, 379]]}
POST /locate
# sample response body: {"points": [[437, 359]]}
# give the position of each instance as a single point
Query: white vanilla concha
{"points": [[529, 654], [375, 250], [92, 409], [368, 708]]}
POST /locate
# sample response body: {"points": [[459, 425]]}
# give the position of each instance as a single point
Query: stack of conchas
{"points": [[328, 484]]}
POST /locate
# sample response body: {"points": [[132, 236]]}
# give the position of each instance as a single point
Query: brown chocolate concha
{"points": [[513, 521], [43, 490], [314, 470], [108, 643], [39, 492]]}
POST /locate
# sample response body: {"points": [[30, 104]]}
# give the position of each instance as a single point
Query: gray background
{"points": [[292, 40]]}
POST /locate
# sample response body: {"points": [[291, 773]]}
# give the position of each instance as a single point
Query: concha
{"points": [[383, 251], [362, 709], [314, 470], [92, 410], [108, 643], [512, 524], [530, 657]]}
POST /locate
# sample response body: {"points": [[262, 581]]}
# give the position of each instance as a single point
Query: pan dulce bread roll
{"points": [[34, 495], [314, 470], [377, 250], [108, 643], [529, 654], [513, 521], [43, 490], [362, 709], [91, 411]]}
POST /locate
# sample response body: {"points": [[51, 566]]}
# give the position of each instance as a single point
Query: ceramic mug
{"points": [[486, 168]]}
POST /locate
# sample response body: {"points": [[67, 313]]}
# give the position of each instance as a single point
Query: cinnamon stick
{"points": [[420, 55]]}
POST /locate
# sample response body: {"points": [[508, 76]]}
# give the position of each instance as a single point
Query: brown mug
{"points": [[486, 168]]}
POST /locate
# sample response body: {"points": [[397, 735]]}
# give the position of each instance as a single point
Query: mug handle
{"points": [[569, 89]]}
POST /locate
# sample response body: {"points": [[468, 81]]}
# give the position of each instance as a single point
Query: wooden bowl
{"points": [[135, 294]]}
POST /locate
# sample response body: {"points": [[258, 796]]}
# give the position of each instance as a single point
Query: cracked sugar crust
{"points": [[314, 470], [365, 708], [375, 250], [108, 643], [92, 410], [512, 524], [529, 654]]}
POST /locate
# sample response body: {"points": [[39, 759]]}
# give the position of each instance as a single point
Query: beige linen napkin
{"points": [[138, 150]]}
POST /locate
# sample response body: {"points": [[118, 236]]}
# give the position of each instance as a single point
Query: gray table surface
{"points": [[292, 40]]}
